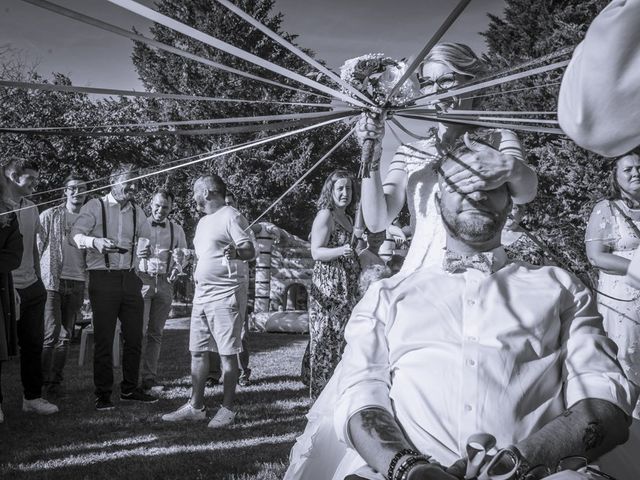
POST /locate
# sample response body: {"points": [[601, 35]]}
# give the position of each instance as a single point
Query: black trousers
{"points": [[31, 337], [114, 295]]}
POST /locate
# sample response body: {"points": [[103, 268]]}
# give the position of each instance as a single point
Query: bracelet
{"points": [[396, 458], [405, 467], [523, 465]]}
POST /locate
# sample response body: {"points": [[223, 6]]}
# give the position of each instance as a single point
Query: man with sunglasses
{"points": [[481, 344], [63, 268]]}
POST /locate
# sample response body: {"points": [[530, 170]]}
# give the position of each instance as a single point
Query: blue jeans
{"points": [[60, 312]]}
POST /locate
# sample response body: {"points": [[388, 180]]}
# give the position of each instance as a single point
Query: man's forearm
{"points": [[590, 429], [377, 437]]}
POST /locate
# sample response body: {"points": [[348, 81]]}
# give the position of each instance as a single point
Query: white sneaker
{"points": [[185, 413], [39, 406], [223, 418]]}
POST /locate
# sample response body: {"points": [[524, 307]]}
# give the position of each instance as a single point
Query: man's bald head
{"points": [[209, 190]]}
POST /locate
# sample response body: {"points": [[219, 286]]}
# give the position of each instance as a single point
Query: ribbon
{"points": [[168, 22], [510, 126], [429, 45], [142, 39], [195, 132], [490, 83], [295, 50], [193, 162], [214, 121]]}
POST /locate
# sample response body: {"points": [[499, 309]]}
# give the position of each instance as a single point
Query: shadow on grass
{"points": [[132, 441]]}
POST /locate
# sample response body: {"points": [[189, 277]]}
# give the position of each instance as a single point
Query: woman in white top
{"points": [[412, 174]]}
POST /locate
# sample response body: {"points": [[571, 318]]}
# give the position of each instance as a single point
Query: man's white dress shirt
{"points": [[119, 223], [160, 262], [451, 355]]}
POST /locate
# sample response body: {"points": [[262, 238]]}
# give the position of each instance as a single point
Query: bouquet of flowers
{"points": [[375, 75]]}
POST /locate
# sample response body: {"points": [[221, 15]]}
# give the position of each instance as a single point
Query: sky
{"points": [[335, 29]]}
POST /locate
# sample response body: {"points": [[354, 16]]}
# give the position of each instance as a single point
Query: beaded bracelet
{"points": [[396, 458], [404, 468]]}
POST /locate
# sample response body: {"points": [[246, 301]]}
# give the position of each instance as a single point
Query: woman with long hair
{"points": [[412, 174], [10, 258], [334, 289], [612, 238]]}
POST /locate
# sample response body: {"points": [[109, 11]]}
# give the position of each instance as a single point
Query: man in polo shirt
{"points": [[109, 229], [63, 269], [22, 175], [216, 323], [157, 274]]}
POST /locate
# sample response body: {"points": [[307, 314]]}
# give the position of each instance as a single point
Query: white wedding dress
{"points": [[317, 453]]}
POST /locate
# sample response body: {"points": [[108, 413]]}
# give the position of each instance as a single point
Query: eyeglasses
{"points": [[581, 463], [76, 188], [444, 82]]}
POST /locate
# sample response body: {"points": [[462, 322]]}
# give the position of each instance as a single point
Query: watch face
{"points": [[504, 464]]}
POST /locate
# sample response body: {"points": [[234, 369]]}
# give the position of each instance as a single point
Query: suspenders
{"points": [[104, 233], [171, 247]]}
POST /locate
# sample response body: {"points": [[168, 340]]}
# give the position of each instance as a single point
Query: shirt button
{"points": [[471, 338], [471, 303], [471, 362], [468, 407]]}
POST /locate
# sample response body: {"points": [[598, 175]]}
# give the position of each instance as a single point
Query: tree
{"points": [[259, 175], [571, 179]]}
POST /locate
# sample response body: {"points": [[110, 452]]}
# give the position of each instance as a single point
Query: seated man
{"points": [[481, 345]]}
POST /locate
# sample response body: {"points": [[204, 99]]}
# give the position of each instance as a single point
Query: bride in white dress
{"points": [[413, 176]]}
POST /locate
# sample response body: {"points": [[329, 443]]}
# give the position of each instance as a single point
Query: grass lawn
{"points": [[131, 442]]}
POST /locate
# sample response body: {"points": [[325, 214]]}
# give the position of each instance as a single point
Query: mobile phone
{"points": [[121, 250]]}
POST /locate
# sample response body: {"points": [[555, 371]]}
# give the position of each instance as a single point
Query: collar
{"points": [[457, 263], [112, 201]]}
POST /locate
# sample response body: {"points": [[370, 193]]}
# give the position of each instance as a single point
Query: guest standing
{"points": [[216, 324], [63, 268], [109, 228], [10, 258], [22, 175], [334, 289], [157, 274], [613, 235]]}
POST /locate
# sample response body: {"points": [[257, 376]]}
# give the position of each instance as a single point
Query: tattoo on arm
{"points": [[381, 425]]}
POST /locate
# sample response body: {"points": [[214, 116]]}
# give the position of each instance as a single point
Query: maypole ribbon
{"points": [[193, 162], [213, 121], [490, 83], [293, 49], [212, 41], [195, 132], [305, 175], [405, 130], [523, 128], [134, 93], [435, 38], [161, 46]]}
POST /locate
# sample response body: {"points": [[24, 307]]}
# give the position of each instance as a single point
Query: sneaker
{"points": [[138, 396], [223, 418], [39, 406], [244, 380], [186, 413], [104, 403]]}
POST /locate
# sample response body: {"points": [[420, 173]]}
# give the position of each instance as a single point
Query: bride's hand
{"points": [[370, 126], [483, 168]]}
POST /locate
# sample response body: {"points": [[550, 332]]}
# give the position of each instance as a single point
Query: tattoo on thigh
{"points": [[593, 435], [380, 424]]}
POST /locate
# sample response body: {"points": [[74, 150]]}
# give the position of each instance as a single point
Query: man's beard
{"points": [[473, 229]]}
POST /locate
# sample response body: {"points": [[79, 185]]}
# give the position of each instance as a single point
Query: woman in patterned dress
{"points": [[612, 237], [334, 289]]}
